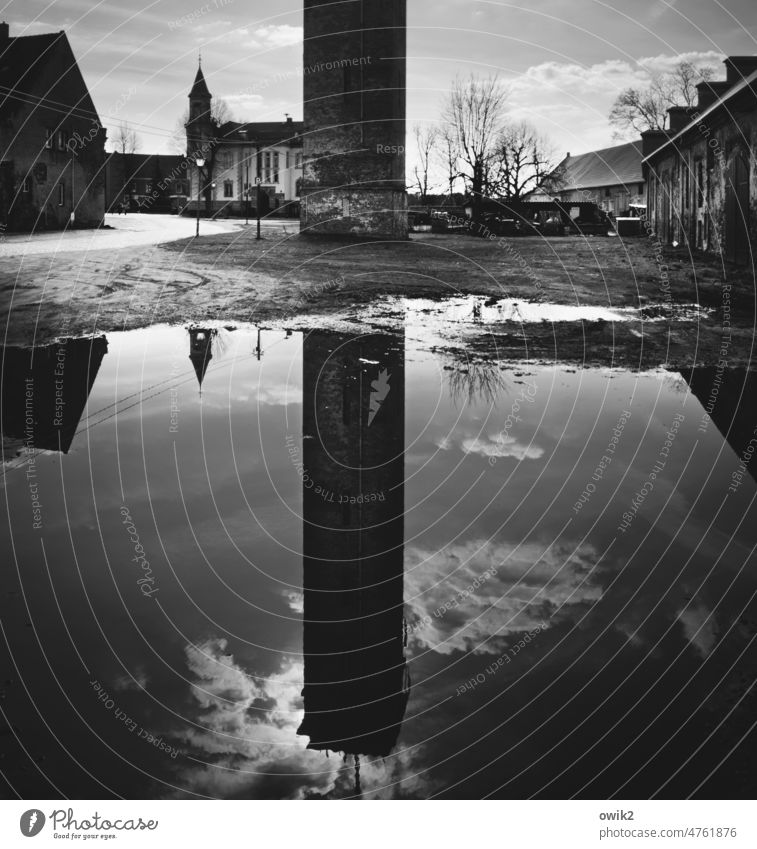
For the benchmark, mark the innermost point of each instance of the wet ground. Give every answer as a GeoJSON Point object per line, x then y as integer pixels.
{"type": "Point", "coordinates": [390, 553]}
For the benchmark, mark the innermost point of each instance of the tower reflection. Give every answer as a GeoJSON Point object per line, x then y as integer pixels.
{"type": "Point", "coordinates": [356, 679]}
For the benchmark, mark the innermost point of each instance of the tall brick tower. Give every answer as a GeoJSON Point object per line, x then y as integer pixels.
{"type": "Point", "coordinates": [354, 140]}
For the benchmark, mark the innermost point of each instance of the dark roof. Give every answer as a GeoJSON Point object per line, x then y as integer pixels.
{"type": "Point", "coordinates": [611, 166]}
{"type": "Point", "coordinates": [22, 59]}
{"type": "Point", "coordinates": [199, 87]}
{"type": "Point", "coordinates": [21, 55]}
{"type": "Point", "coordinates": [265, 132]}
{"type": "Point", "coordinates": [146, 164]}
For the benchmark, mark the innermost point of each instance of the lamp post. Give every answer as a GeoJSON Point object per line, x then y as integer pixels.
{"type": "Point", "coordinates": [243, 134]}
{"type": "Point", "coordinates": [258, 181]}
{"type": "Point", "coordinates": [200, 162]}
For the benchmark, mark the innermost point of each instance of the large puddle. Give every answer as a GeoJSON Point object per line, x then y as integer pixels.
{"type": "Point", "coordinates": [256, 564]}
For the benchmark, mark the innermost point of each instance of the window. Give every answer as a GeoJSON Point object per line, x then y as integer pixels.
{"type": "Point", "coordinates": [48, 139]}
{"type": "Point", "coordinates": [61, 138]}
{"type": "Point", "coordinates": [228, 189]}
{"type": "Point", "coordinates": [148, 189]}
{"type": "Point", "coordinates": [607, 193]}
{"type": "Point", "coordinates": [134, 188]}
{"type": "Point", "coordinates": [287, 160]}
{"type": "Point", "coordinates": [299, 160]}
{"type": "Point", "coordinates": [61, 193]}
{"type": "Point", "coordinates": [275, 167]}
{"type": "Point", "coordinates": [641, 188]}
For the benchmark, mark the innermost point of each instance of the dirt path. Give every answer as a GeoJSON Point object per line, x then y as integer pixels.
{"type": "Point", "coordinates": [230, 277]}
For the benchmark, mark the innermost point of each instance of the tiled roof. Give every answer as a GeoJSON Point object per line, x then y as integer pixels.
{"type": "Point", "coordinates": [611, 166]}
{"type": "Point", "coordinates": [265, 132]}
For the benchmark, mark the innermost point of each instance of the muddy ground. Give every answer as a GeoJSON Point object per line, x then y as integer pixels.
{"type": "Point", "coordinates": [301, 282]}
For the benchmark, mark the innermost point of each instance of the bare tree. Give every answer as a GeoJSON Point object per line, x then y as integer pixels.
{"type": "Point", "coordinates": [475, 112]}
{"type": "Point", "coordinates": [638, 109]}
{"type": "Point", "coordinates": [426, 140]}
{"type": "Point", "coordinates": [126, 139]}
{"type": "Point", "coordinates": [523, 162]}
{"type": "Point", "coordinates": [448, 156]}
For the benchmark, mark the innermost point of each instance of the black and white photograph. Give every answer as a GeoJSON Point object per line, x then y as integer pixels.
{"type": "Point", "coordinates": [378, 399]}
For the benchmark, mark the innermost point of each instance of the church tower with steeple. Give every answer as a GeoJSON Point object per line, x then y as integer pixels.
{"type": "Point", "coordinates": [199, 126]}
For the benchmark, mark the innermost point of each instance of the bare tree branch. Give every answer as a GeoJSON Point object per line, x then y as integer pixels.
{"type": "Point", "coordinates": [638, 109]}
{"type": "Point", "coordinates": [474, 113]}
{"type": "Point", "coordinates": [426, 140]}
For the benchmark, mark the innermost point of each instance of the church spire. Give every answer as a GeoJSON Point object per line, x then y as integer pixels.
{"type": "Point", "coordinates": [200, 87]}
{"type": "Point", "coordinates": [200, 351]}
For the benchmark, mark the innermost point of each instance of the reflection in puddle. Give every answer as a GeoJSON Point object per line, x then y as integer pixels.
{"type": "Point", "coordinates": [327, 516]}
{"type": "Point", "coordinates": [481, 310]}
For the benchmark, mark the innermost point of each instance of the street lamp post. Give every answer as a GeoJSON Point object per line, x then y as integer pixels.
{"type": "Point", "coordinates": [258, 180]}
{"type": "Point", "coordinates": [243, 134]}
{"type": "Point", "coordinates": [200, 162]}
{"type": "Point", "coordinates": [247, 192]}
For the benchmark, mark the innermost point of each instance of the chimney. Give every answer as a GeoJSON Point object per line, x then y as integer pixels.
{"type": "Point", "coordinates": [708, 93]}
{"type": "Point", "coordinates": [678, 118]}
{"type": "Point", "coordinates": [651, 140]}
{"type": "Point", "coordinates": [4, 32]}
{"type": "Point", "coordinates": [739, 67]}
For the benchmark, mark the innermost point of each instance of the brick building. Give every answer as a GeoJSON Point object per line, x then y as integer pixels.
{"type": "Point", "coordinates": [52, 144]}
{"type": "Point", "coordinates": [354, 84]}
{"type": "Point", "coordinates": [701, 180]}
{"type": "Point", "coordinates": [241, 157]}
{"type": "Point", "coordinates": [146, 182]}
{"type": "Point", "coordinates": [612, 178]}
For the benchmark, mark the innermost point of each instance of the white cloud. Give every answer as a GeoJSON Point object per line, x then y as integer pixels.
{"type": "Point", "coordinates": [520, 587]}
{"type": "Point", "coordinates": [137, 680]}
{"type": "Point", "coordinates": [280, 35]}
{"type": "Point", "coordinates": [502, 445]}
{"type": "Point", "coordinates": [248, 739]}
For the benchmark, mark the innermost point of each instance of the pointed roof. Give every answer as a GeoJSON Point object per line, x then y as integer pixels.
{"type": "Point", "coordinates": [200, 351]}
{"type": "Point", "coordinates": [200, 87]}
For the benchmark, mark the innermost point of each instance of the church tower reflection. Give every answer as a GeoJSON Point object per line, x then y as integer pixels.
{"type": "Point", "coordinates": [201, 350]}
{"type": "Point", "coordinates": [356, 680]}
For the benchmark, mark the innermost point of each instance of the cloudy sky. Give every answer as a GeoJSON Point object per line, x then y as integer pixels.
{"type": "Point", "coordinates": [565, 59]}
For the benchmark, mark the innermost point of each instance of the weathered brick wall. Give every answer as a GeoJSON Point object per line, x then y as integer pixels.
{"type": "Point", "coordinates": [714, 143]}
{"type": "Point", "coordinates": [354, 110]}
